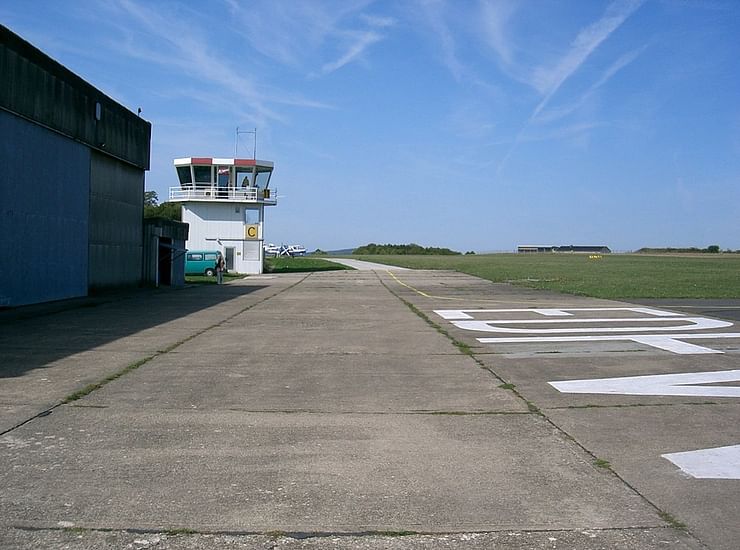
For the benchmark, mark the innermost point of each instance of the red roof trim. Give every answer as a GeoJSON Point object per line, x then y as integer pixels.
{"type": "Point", "coordinates": [201, 160]}
{"type": "Point", "coordinates": [244, 162]}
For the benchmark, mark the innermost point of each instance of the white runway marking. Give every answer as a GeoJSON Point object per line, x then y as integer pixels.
{"type": "Point", "coordinates": [687, 384]}
{"type": "Point", "coordinates": [692, 323]}
{"type": "Point", "coordinates": [643, 329]}
{"type": "Point", "coordinates": [665, 342]}
{"type": "Point", "coordinates": [715, 463]}
{"type": "Point", "coordinates": [454, 314]}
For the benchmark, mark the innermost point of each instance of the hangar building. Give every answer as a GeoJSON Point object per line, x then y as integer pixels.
{"type": "Point", "coordinates": [72, 181]}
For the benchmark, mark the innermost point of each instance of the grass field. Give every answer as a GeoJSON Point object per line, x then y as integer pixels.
{"type": "Point", "coordinates": [300, 264]}
{"type": "Point", "coordinates": [611, 276]}
{"type": "Point", "coordinates": [275, 265]}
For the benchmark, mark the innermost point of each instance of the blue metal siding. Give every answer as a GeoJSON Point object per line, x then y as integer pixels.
{"type": "Point", "coordinates": [36, 87]}
{"type": "Point", "coordinates": [44, 212]}
{"type": "Point", "coordinates": [116, 215]}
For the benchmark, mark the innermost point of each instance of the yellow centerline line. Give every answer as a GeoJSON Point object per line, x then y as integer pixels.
{"type": "Point", "coordinates": [422, 293]}
{"type": "Point", "coordinates": [400, 282]}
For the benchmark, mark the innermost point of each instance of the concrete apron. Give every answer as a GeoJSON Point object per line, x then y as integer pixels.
{"type": "Point", "coordinates": [324, 406]}
{"type": "Point", "coordinates": [365, 266]}
{"type": "Point", "coordinates": [630, 432]}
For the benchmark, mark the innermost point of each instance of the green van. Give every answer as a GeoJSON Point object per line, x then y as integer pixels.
{"type": "Point", "coordinates": [201, 262]}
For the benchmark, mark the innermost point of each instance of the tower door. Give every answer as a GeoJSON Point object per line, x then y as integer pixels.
{"type": "Point", "coordinates": [229, 257]}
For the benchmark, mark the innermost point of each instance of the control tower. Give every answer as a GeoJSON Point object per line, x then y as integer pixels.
{"type": "Point", "coordinates": [223, 200]}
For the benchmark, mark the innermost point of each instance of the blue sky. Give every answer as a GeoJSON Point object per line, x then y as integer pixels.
{"type": "Point", "coordinates": [475, 125]}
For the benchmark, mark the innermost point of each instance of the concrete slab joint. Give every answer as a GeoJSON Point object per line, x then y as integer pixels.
{"type": "Point", "coordinates": [353, 410]}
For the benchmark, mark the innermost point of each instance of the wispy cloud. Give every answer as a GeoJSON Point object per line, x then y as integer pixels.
{"type": "Point", "coordinates": [435, 15]}
{"type": "Point", "coordinates": [177, 44]}
{"type": "Point", "coordinates": [495, 17]}
{"type": "Point", "coordinates": [359, 41]}
{"type": "Point", "coordinates": [548, 80]}
{"type": "Point", "coordinates": [377, 21]}
{"type": "Point", "coordinates": [174, 44]}
{"type": "Point", "coordinates": [310, 35]}
{"type": "Point", "coordinates": [552, 114]}
{"type": "Point", "coordinates": [363, 40]}
{"type": "Point", "coordinates": [284, 32]}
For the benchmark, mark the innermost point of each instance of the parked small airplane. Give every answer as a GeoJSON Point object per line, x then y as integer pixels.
{"type": "Point", "coordinates": [272, 250]}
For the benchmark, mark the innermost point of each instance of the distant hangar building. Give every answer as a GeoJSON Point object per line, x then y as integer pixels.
{"type": "Point", "coordinates": [587, 249]}
{"type": "Point", "coordinates": [532, 248]}
{"type": "Point", "coordinates": [72, 177]}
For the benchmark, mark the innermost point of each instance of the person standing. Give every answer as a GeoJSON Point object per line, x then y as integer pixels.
{"type": "Point", "coordinates": [220, 266]}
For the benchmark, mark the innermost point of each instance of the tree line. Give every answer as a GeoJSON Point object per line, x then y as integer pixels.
{"type": "Point", "coordinates": [403, 249]}
{"type": "Point", "coordinates": [711, 249]}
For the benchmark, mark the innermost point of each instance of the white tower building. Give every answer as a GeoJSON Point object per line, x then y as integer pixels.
{"type": "Point", "coordinates": [223, 200]}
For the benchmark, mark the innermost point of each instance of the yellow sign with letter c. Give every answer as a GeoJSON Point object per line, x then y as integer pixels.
{"type": "Point", "coordinates": [251, 231]}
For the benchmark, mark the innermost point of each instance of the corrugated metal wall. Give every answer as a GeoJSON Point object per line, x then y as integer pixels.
{"type": "Point", "coordinates": [36, 87]}
{"type": "Point", "coordinates": [72, 181]}
{"type": "Point", "coordinates": [116, 217]}
{"type": "Point", "coordinates": [45, 183]}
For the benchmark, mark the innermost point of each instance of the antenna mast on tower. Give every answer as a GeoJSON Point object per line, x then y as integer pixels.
{"type": "Point", "coordinates": [236, 144]}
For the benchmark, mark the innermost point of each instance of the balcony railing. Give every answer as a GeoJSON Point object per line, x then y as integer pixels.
{"type": "Point", "coordinates": [227, 194]}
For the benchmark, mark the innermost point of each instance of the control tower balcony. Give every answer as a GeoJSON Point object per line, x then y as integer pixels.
{"type": "Point", "coordinates": [213, 193]}
{"type": "Point", "coordinates": [207, 179]}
